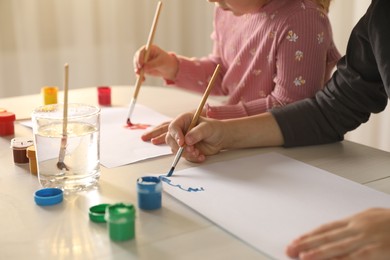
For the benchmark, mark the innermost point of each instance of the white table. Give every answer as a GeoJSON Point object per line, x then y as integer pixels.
{"type": "Point", "coordinates": [175, 231]}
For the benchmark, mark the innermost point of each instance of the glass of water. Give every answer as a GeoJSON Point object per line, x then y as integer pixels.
{"type": "Point", "coordinates": [79, 146]}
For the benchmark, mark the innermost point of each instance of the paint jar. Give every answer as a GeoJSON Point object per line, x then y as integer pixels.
{"type": "Point", "coordinates": [120, 219]}
{"type": "Point", "coordinates": [149, 190]}
{"type": "Point", "coordinates": [19, 146]}
{"type": "Point", "coordinates": [49, 94]}
{"type": "Point", "coordinates": [7, 120]}
{"type": "Point", "coordinates": [104, 95]}
{"type": "Point", "coordinates": [30, 153]}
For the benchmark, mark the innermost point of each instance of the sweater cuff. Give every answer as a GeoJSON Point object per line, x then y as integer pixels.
{"type": "Point", "coordinates": [225, 112]}
{"type": "Point", "coordinates": [173, 82]}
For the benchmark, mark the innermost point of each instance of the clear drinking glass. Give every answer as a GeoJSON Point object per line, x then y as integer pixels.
{"type": "Point", "coordinates": [81, 168]}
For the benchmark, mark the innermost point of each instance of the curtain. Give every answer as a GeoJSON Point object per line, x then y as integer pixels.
{"type": "Point", "coordinates": [99, 37]}
{"type": "Point", "coordinates": [96, 37]}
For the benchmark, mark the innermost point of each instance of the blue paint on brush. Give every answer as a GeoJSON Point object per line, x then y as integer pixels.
{"type": "Point", "coordinates": [171, 171]}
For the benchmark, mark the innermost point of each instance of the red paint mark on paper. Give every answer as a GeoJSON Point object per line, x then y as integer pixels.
{"type": "Point", "coordinates": [137, 126]}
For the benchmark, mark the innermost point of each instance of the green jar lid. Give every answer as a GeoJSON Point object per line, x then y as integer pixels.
{"type": "Point", "coordinates": [97, 212]}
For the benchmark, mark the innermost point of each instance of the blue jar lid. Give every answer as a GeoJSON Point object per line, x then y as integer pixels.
{"type": "Point", "coordinates": [48, 196]}
{"type": "Point", "coordinates": [149, 184]}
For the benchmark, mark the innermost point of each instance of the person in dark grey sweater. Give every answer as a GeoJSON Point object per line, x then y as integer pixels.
{"type": "Point", "coordinates": [359, 87]}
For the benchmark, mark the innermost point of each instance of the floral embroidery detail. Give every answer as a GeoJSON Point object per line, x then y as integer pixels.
{"type": "Point", "coordinates": [320, 37]}
{"type": "Point", "coordinates": [233, 85]}
{"type": "Point", "coordinates": [321, 12]}
{"type": "Point", "coordinates": [263, 15]}
{"type": "Point", "coordinates": [292, 37]}
{"type": "Point", "coordinates": [273, 15]}
{"type": "Point", "coordinates": [271, 35]}
{"type": "Point", "coordinates": [298, 55]}
{"type": "Point", "coordinates": [299, 81]}
{"type": "Point", "coordinates": [253, 52]}
{"type": "Point", "coordinates": [262, 93]}
{"type": "Point", "coordinates": [269, 58]}
{"type": "Point", "coordinates": [256, 72]}
{"type": "Point", "coordinates": [241, 87]}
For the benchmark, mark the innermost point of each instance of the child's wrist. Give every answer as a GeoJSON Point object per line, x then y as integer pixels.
{"type": "Point", "coordinates": [174, 67]}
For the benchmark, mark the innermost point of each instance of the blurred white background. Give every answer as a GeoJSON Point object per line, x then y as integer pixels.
{"type": "Point", "coordinates": [96, 37]}
{"type": "Point", "coordinates": [99, 37]}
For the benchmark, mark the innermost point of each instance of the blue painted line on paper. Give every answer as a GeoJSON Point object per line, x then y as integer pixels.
{"type": "Point", "coordinates": [169, 182]}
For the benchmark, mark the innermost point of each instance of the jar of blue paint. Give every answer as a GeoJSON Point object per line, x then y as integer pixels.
{"type": "Point", "coordinates": [149, 190]}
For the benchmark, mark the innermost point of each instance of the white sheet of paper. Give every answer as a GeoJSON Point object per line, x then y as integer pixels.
{"type": "Point", "coordinates": [269, 199]}
{"type": "Point", "coordinates": [120, 145]}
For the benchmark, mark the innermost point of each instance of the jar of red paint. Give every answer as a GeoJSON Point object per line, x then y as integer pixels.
{"type": "Point", "coordinates": [7, 120]}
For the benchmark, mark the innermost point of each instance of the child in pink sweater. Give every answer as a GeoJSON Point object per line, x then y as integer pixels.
{"type": "Point", "coordinates": [271, 52]}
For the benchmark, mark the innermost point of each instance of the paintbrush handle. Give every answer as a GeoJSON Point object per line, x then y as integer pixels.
{"type": "Point", "coordinates": [65, 112]}
{"type": "Point", "coordinates": [140, 77]}
{"type": "Point", "coordinates": [131, 108]}
{"type": "Point", "coordinates": [152, 31]}
{"type": "Point", "coordinates": [204, 99]}
{"type": "Point", "coordinates": [177, 157]}
{"type": "Point", "coordinates": [61, 157]}
{"type": "Point", "coordinates": [195, 118]}
{"type": "Point", "coordinates": [138, 84]}
{"type": "Point", "coordinates": [147, 49]}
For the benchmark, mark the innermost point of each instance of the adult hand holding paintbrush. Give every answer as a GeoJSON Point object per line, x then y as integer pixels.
{"type": "Point", "coordinates": [140, 76]}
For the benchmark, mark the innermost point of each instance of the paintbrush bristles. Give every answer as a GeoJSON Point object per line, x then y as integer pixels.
{"type": "Point", "coordinates": [170, 171]}
{"type": "Point", "coordinates": [195, 118]}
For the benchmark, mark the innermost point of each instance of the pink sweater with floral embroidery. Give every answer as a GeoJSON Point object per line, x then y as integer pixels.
{"type": "Point", "coordinates": [280, 54]}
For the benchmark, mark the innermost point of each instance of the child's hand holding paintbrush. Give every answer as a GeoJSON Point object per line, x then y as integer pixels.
{"type": "Point", "coordinates": [140, 76]}
{"type": "Point", "coordinates": [158, 64]}
{"type": "Point", "coordinates": [194, 120]}
{"type": "Point", "coordinates": [196, 149]}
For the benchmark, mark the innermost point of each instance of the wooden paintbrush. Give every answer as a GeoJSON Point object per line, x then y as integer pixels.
{"type": "Point", "coordinates": [61, 164]}
{"type": "Point", "coordinates": [195, 118]}
{"type": "Point", "coordinates": [146, 57]}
